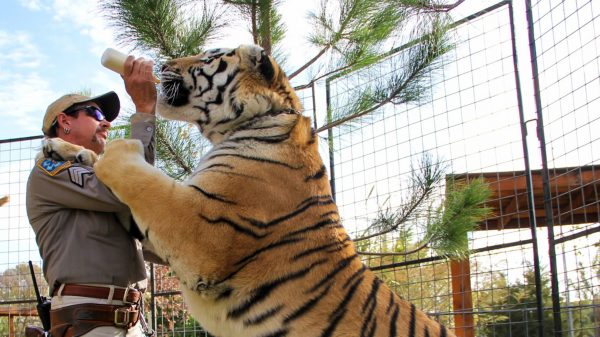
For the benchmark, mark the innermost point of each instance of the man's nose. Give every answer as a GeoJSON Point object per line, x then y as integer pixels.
{"type": "Point", "coordinates": [105, 124]}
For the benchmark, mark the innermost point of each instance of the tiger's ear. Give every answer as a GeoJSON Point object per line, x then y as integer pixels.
{"type": "Point", "coordinates": [259, 60]}
{"type": "Point", "coordinates": [266, 67]}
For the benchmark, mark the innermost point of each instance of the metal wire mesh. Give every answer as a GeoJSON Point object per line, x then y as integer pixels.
{"type": "Point", "coordinates": [17, 241]}
{"type": "Point", "coordinates": [470, 123]}
{"type": "Point", "coordinates": [567, 59]}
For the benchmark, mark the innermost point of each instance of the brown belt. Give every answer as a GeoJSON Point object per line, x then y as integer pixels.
{"type": "Point", "coordinates": [77, 320]}
{"type": "Point", "coordinates": [127, 295]}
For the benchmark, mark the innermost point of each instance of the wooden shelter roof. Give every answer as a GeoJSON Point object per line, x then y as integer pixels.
{"type": "Point", "coordinates": [575, 193]}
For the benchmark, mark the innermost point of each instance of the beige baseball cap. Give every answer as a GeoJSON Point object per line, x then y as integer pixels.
{"type": "Point", "coordinates": [109, 104]}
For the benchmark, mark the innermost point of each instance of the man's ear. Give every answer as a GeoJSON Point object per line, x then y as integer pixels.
{"type": "Point", "coordinates": [63, 120]}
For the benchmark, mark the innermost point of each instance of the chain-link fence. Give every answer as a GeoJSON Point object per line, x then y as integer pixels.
{"type": "Point", "coordinates": [528, 131]}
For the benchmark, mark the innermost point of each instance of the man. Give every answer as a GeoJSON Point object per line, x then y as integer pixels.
{"type": "Point", "coordinates": [90, 258]}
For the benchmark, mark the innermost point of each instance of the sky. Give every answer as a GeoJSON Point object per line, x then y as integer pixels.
{"type": "Point", "coordinates": [48, 48]}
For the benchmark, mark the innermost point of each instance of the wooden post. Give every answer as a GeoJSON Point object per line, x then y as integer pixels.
{"type": "Point", "coordinates": [11, 326]}
{"type": "Point", "coordinates": [462, 300]}
{"type": "Point", "coordinates": [11, 312]}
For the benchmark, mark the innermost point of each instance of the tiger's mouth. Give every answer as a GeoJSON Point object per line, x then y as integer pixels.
{"type": "Point", "coordinates": [173, 89]}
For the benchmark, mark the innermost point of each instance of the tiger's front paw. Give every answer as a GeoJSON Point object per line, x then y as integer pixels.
{"type": "Point", "coordinates": [59, 149]}
{"type": "Point", "coordinates": [117, 156]}
{"type": "Point", "coordinates": [123, 148]}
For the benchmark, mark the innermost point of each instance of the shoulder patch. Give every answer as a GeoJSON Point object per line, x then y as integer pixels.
{"type": "Point", "coordinates": [76, 174]}
{"type": "Point", "coordinates": [52, 167]}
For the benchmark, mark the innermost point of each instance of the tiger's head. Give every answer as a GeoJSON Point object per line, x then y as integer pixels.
{"type": "Point", "coordinates": [223, 88]}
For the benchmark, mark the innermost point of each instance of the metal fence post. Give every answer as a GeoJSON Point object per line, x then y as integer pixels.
{"type": "Point", "coordinates": [545, 178]}
{"type": "Point", "coordinates": [152, 298]}
{"type": "Point", "coordinates": [529, 180]}
{"type": "Point", "coordinates": [330, 139]}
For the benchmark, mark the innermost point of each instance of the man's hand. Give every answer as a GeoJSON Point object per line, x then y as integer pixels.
{"type": "Point", "coordinates": [139, 84]}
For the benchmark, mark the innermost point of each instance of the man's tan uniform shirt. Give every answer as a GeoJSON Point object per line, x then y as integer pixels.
{"type": "Point", "coordinates": [73, 215]}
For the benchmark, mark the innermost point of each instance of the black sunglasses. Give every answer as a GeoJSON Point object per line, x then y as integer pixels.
{"type": "Point", "coordinates": [90, 110]}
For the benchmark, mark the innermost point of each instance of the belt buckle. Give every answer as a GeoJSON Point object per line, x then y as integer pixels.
{"type": "Point", "coordinates": [122, 318]}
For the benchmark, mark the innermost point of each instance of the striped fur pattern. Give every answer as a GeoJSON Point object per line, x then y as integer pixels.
{"type": "Point", "coordinates": [254, 235]}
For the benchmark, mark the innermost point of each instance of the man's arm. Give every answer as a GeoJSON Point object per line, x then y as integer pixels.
{"type": "Point", "coordinates": [143, 127]}
{"type": "Point", "coordinates": [140, 86]}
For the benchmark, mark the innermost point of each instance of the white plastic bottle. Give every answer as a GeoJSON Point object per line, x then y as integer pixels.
{"type": "Point", "coordinates": [115, 61]}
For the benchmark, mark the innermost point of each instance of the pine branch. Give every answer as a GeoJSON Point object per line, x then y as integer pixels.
{"type": "Point", "coordinates": [266, 27]}
{"type": "Point", "coordinates": [463, 209]}
{"type": "Point", "coordinates": [162, 26]}
{"type": "Point", "coordinates": [336, 35]}
{"type": "Point", "coordinates": [363, 27]}
{"type": "Point", "coordinates": [310, 62]}
{"type": "Point", "coordinates": [179, 148]}
{"type": "Point", "coordinates": [423, 183]}
{"type": "Point", "coordinates": [405, 253]}
{"type": "Point", "coordinates": [405, 85]}
{"type": "Point", "coordinates": [446, 229]}
{"type": "Point", "coordinates": [161, 139]}
{"type": "Point", "coordinates": [434, 7]}
{"type": "Point", "coordinates": [333, 73]}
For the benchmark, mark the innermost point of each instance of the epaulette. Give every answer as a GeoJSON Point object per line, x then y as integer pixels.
{"type": "Point", "coordinates": [52, 167]}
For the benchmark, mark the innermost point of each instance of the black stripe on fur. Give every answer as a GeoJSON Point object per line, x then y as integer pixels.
{"type": "Point", "coordinates": [306, 307]}
{"type": "Point", "coordinates": [263, 291]}
{"type": "Point", "coordinates": [329, 278]}
{"type": "Point", "coordinates": [340, 311]}
{"type": "Point", "coordinates": [318, 175]}
{"type": "Point", "coordinates": [263, 316]}
{"type": "Point", "coordinates": [235, 226]}
{"type": "Point", "coordinates": [413, 321]}
{"type": "Point", "coordinates": [252, 158]}
{"type": "Point", "coordinates": [305, 205]}
{"type": "Point", "coordinates": [394, 320]}
{"type": "Point", "coordinates": [212, 196]}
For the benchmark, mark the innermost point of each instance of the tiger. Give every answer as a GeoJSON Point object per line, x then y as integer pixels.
{"type": "Point", "coordinates": [254, 235]}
